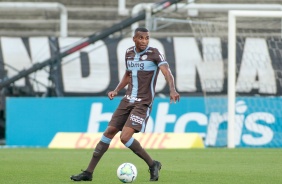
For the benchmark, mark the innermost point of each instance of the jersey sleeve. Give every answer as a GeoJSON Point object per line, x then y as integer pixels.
{"type": "Point", "coordinates": [160, 58]}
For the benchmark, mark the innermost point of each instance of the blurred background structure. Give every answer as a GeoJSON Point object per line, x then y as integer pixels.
{"type": "Point", "coordinates": [208, 18]}
{"type": "Point", "coordinates": [87, 17]}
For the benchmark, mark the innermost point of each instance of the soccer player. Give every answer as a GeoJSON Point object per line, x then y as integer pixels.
{"type": "Point", "coordinates": [142, 66]}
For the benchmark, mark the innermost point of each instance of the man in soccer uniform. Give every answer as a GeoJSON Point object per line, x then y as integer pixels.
{"type": "Point", "coordinates": [142, 67]}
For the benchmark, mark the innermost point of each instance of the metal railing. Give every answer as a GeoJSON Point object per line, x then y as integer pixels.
{"type": "Point", "coordinates": [192, 9]}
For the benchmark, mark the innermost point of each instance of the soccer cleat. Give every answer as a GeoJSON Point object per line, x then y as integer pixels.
{"type": "Point", "coordinates": [155, 170]}
{"type": "Point", "coordinates": [84, 176]}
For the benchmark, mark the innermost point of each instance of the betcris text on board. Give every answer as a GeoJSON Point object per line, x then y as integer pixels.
{"type": "Point", "coordinates": [252, 128]}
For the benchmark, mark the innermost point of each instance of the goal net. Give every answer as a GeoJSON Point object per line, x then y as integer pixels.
{"type": "Point", "coordinates": [241, 77]}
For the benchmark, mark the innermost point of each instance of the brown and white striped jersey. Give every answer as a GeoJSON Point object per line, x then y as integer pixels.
{"type": "Point", "coordinates": [144, 68]}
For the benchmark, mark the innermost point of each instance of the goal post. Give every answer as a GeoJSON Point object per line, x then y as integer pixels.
{"type": "Point", "coordinates": [232, 16]}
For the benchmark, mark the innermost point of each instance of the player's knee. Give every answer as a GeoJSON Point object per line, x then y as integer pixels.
{"type": "Point", "coordinates": [111, 132]}
{"type": "Point", "coordinates": [126, 135]}
{"type": "Point", "coordinates": [127, 141]}
{"type": "Point", "coordinates": [124, 139]}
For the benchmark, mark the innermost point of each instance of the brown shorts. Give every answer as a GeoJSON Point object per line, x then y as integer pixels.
{"type": "Point", "coordinates": [134, 115]}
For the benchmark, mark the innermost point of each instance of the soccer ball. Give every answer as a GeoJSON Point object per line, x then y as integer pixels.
{"type": "Point", "coordinates": [127, 173]}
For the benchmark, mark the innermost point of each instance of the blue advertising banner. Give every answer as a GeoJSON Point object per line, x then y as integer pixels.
{"type": "Point", "coordinates": [35, 121]}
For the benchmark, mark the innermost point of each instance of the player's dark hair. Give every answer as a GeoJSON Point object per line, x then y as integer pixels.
{"type": "Point", "coordinates": [141, 29]}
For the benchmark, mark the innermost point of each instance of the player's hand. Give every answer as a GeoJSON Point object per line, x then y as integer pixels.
{"type": "Point", "coordinates": [112, 94]}
{"type": "Point", "coordinates": [174, 96]}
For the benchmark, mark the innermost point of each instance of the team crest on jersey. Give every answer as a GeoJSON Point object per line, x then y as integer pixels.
{"type": "Point", "coordinates": [144, 57]}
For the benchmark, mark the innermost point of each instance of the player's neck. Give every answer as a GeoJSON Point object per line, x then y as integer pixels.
{"type": "Point", "coordinates": [140, 51]}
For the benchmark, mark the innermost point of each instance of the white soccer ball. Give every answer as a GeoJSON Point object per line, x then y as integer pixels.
{"type": "Point", "coordinates": [127, 173]}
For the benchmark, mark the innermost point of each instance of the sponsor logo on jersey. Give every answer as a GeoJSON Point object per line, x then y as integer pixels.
{"type": "Point", "coordinates": [136, 119]}
{"type": "Point", "coordinates": [135, 65]}
{"type": "Point", "coordinates": [128, 97]}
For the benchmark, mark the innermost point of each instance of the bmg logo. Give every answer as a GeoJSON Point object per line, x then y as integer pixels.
{"type": "Point", "coordinates": [135, 65]}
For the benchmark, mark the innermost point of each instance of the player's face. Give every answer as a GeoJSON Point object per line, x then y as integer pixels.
{"type": "Point", "coordinates": [141, 40]}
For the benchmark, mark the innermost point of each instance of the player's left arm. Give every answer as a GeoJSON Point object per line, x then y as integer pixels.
{"type": "Point", "coordinates": [174, 96]}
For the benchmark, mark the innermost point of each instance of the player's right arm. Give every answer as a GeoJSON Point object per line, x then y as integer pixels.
{"type": "Point", "coordinates": [124, 81]}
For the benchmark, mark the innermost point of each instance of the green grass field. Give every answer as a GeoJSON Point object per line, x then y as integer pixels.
{"type": "Point", "coordinates": [42, 166]}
